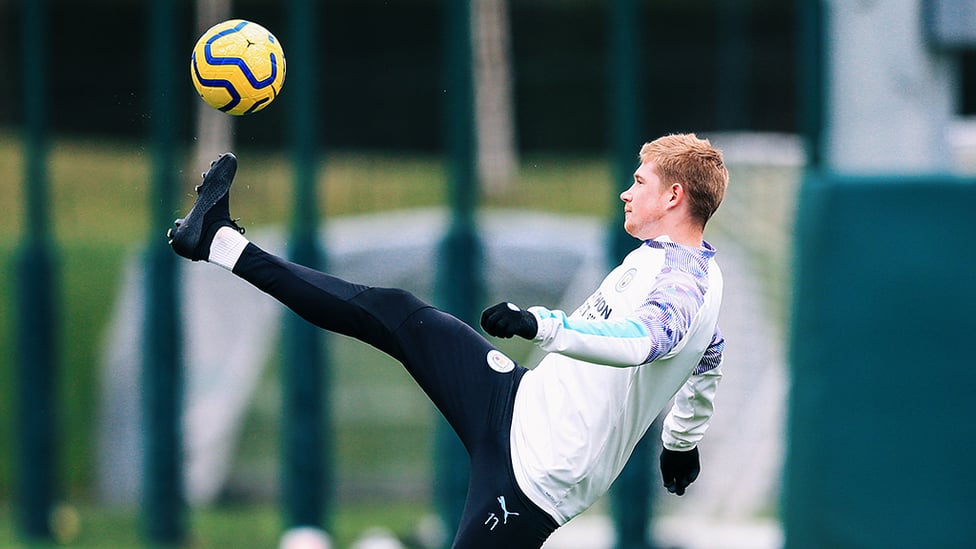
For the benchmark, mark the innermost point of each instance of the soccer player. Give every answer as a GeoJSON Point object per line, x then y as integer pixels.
{"type": "Point", "coordinates": [544, 443]}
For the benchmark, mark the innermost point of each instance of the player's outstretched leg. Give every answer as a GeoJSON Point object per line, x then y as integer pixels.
{"type": "Point", "coordinates": [208, 233]}
{"type": "Point", "coordinates": [192, 236]}
{"type": "Point", "coordinates": [431, 344]}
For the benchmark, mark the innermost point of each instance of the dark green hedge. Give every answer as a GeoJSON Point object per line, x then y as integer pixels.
{"type": "Point", "coordinates": [380, 70]}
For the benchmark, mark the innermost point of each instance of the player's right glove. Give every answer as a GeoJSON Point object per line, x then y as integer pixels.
{"type": "Point", "coordinates": [679, 469]}
{"type": "Point", "coordinates": [507, 319]}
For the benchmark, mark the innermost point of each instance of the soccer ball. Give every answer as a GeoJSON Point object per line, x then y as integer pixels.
{"type": "Point", "coordinates": [238, 67]}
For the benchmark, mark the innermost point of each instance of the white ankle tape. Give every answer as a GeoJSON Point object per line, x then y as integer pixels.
{"type": "Point", "coordinates": [227, 247]}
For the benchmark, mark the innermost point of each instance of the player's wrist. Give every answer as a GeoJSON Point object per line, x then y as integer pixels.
{"type": "Point", "coordinates": [677, 445]}
{"type": "Point", "coordinates": [544, 327]}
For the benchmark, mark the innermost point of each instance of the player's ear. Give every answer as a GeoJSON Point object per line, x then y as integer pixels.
{"type": "Point", "coordinates": [677, 194]}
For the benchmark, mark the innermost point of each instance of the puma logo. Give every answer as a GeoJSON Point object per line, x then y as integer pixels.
{"type": "Point", "coordinates": [494, 519]}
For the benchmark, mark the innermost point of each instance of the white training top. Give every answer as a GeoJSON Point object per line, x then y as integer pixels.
{"type": "Point", "coordinates": [649, 333]}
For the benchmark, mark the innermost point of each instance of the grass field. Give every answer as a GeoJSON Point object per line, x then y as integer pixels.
{"type": "Point", "coordinates": [99, 207]}
{"type": "Point", "coordinates": [239, 526]}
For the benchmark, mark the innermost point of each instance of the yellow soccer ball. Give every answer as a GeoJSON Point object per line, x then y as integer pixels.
{"type": "Point", "coordinates": [238, 67]}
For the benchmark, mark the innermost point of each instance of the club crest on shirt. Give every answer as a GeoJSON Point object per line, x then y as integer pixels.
{"type": "Point", "coordinates": [499, 362]}
{"type": "Point", "coordinates": [626, 279]}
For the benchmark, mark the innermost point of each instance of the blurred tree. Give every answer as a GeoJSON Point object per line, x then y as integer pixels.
{"type": "Point", "coordinates": [497, 155]}
{"type": "Point", "coordinates": [214, 129]}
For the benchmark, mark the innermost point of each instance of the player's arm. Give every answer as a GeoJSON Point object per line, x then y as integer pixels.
{"type": "Point", "coordinates": [620, 342]}
{"type": "Point", "coordinates": [652, 331]}
{"type": "Point", "coordinates": [686, 422]}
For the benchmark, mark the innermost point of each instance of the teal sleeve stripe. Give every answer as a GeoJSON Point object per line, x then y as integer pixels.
{"type": "Point", "coordinates": [622, 329]}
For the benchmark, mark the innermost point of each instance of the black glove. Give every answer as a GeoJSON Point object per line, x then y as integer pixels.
{"type": "Point", "coordinates": [679, 469]}
{"type": "Point", "coordinates": [506, 319]}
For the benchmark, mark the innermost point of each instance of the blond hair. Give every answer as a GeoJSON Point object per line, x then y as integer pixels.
{"type": "Point", "coordinates": [695, 164]}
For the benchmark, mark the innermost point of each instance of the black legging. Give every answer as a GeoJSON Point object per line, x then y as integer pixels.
{"type": "Point", "coordinates": [451, 363]}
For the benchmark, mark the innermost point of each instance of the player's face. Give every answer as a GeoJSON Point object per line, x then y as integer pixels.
{"type": "Point", "coordinates": [645, 203]}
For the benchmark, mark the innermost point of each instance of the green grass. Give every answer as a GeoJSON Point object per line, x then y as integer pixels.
{"type": "Point", "coordinates": [229, 526]}
{"type": "Point", "coordinates": [99, 190]}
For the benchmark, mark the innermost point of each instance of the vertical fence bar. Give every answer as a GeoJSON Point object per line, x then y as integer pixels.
{"type": "Point", "coordinates": [625, 127]}
{"type": "Point", "coordinates": [36, 302]}
{"type": "Point", "coordinates": [630, 497]}
{"type": "Point", "coordinates": [307, 468]}
{"type": "Point", "coordinates": [811, 77]}
{"type": "Point", "coordinates": [163, 504]}
{"type": "Point", "coordinates": [459, 281]}
{"type": "Point", "coordinates": [735, 64]}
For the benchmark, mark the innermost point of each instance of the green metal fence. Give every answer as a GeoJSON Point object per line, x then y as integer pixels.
{"type": "Point", "coordinates": [306, 443]}
{"type": "Point", "coordinates": [37, 298]}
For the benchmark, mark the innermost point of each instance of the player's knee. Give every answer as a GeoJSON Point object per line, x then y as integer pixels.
{"type": "Point", "coordinates": [399, 297]}
{"type": "Point", "coordinates": [392, 305]}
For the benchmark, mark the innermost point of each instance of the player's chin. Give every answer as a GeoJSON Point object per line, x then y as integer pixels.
{"type": "Point", "coordinates": [631, 228]}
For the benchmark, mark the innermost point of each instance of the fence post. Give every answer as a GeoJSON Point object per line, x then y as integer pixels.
{"type": "Point", "coordinates": [630, 497]}
{"type": "Point", "coordinates": [307, 468]}
{"type": "Point", "coordinates": [36, 300]}
{"type": "Point", "coordinates": [459, 283]}
{"type": "Point", "coordinates": [163, 503]}
{"type": "Point", "coordinates": [735, 64]}
{"type": "Point", "coordinates": [811, 78]}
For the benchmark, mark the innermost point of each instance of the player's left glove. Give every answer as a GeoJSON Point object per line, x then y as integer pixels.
{"type": "Point", "coordinates": [507, 319]}
{"type": "Point", "coordinates": [679, 469]}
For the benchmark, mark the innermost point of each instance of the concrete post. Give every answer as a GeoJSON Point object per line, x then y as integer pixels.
{"type": "Point", "coordinates": [891, 96]}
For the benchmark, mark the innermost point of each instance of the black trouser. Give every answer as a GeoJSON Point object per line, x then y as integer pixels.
{"type": "Point", "coordinates": [450, 362]}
